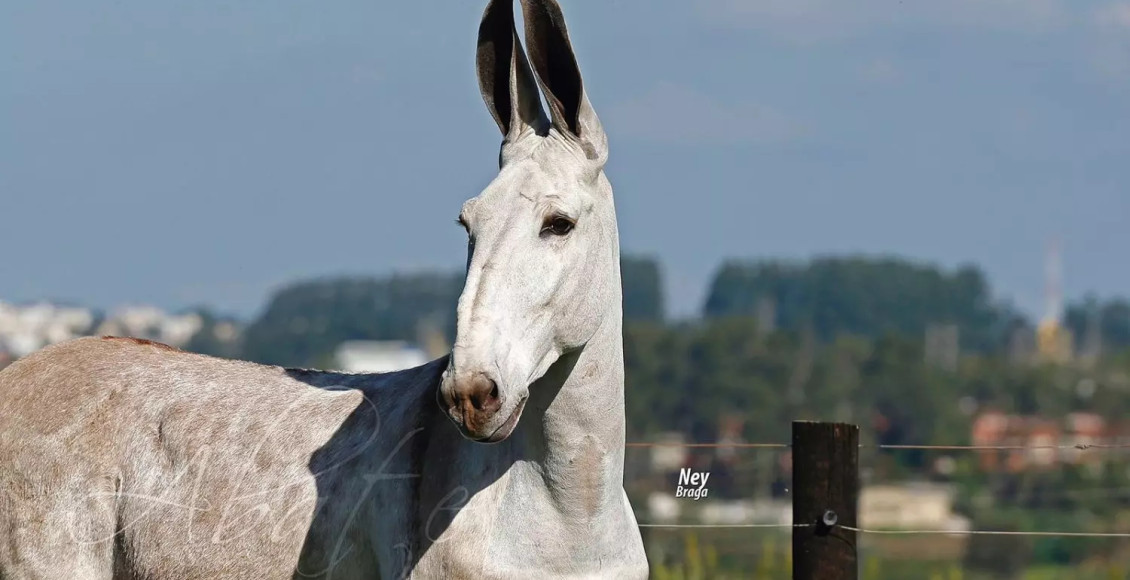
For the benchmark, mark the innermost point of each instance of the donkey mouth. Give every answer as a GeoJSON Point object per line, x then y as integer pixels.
{"type": "Point", "coordinates": [504, 430]}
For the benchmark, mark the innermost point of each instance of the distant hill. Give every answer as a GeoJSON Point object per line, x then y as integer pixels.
{"type": "Point", "coordinates": [865, 296]}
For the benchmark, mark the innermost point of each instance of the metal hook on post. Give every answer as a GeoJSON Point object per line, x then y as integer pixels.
{"type": "Point", "coordinates": [825, 500]}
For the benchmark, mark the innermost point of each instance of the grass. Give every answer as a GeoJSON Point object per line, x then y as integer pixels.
{"type": "Point", "coordinates": [770, 558]}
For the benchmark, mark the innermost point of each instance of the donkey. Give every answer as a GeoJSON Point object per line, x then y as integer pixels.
{"type": "Point", "coordinates": [124, 458]}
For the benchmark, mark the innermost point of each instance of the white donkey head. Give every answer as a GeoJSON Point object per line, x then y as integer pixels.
{"type": "Point", "coordinates": [543, 270]}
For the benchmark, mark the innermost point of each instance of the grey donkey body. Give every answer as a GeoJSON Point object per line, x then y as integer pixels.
{"type": "Point", "coordinates": [121, 458]}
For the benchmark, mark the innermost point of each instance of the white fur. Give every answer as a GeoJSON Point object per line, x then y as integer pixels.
{"type": "Point", "coordinates": [127, 459]}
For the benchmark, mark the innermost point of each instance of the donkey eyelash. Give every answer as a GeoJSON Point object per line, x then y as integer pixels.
{"type": "Point", "coordinates": [558, 224]}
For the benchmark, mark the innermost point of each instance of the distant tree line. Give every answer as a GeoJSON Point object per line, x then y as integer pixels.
{"type": "Point", "coordinates": [840, 338]}
{"type": "Point", "coordinates": [1111, 319]}
{"type": "Point", "coordinates": [305, 321]}
{"type": "Point", "coordinates": [829, 297]}
{"type": "Point", "coordinates": [861, 296]}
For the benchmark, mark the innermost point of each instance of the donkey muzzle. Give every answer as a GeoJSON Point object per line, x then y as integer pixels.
{"type": "Point", "coordinates": [473, 402]}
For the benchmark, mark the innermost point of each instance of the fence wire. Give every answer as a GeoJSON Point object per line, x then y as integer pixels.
{"type": "Point", "coordinates": [725, 525]}
{"type": "Point", "coordinates": [888, 532]}
{"type": "Point", "coordinates": [713, 445]}
{"type": "Point", "coordinates": [989, 533]}
{"type": "Point", "coordinates": [903, 532]}
{"type": "Point", "coordinates": [1079, 446]}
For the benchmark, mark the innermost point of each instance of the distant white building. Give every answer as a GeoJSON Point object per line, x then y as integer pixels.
{"type": "Point", "coordinates": [910, 506]}
{"type": "Point", "coordinates": [670, 453]}
{"type": "Point", "coordinates": [152, 323]}
{"type": "Point", "coordinates": [25, 329]}
{"type": "Point", "coordinates": [372, 356]}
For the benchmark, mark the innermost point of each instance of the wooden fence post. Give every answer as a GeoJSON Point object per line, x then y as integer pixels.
{"type": "Point", "coordinates": [825, 495]}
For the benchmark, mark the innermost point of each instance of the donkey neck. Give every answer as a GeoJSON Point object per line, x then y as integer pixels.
{"type": "Point", "coordinates": [555, 485]}
{"type": "Point", "coordinates": [574, 434]}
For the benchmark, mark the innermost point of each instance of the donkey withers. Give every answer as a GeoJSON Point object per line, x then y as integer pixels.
{"type": "Point", "coordinates": [122, 458]}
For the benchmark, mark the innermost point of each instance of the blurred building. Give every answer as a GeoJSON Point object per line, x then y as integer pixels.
{"type": "Point", "coordinates": [910, 506]}
{"type": "Point", "coordinates": [151, 323]}
{"type": "Point", "coordinates": [375, 356]}
{"type": "Point", "coordinates": [1044, 443]}
{"type": "Point", "coordinates": [1054, 342]}
{"type": "Point", "coordinates": [27, 328]}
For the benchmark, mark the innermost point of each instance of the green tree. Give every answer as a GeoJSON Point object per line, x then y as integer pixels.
{"type": "Point", "coordinates": [1111, 316]}
{"type": "Point", "coordinates": [308, 320]}
{"type": "Point", "coordinates": [643, 289]}
{"type": "Point", "coordinates": [864, 296]}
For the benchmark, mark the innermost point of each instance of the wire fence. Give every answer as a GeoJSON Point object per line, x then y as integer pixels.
{"type": "Point", "coordinates": [911, 531]}
{"type": "Point", "coordinates": [1079, 446]}
{"type": "Point", "coordinates": [901, 532]}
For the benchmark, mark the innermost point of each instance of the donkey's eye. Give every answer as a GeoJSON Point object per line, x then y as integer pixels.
{"type": "Point", "coordinates": [557, 225]}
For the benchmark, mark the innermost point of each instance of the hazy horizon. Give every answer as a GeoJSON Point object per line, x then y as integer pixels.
{"type": "Point", "coordinates": [695, 312]}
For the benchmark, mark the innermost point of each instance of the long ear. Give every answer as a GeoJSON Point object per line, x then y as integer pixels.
{"type": "Point", "coordinates": [507, 85]}
{"type": "Point", "coordinates": [556, 68]}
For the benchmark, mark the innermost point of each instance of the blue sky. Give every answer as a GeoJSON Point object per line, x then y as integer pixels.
{"type": "Point", "coordinates": [178, 153]}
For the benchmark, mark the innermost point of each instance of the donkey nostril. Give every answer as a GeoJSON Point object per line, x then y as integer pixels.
{"type": "Point", "coordinates": [484, 394]}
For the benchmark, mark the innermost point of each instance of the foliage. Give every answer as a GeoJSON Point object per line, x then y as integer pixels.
{"type": "Point", "coordinates": [863, 296]}
{"type": "Point", "coordinates": [304, 322]}
{"type": "Point", "coordinates": [685, 377]}
{"type": "Point", "coordinates": [307, 320]}
{"type": "Point", "coordinates": [699, 559]}
{"type": "Point", "coordinates": [1112, 318]}
{"type": "Point", "coordinates": [643, 289]}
